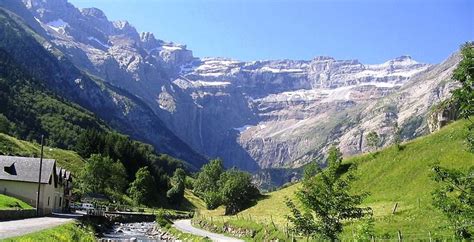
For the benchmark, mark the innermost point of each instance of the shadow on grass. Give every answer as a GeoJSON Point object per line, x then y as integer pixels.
{"type": "Point", "coordinates": [262, 197]}
{"type": "Point", "coordinates": [344, 168]}
{"type": "Point", "coordinates": [185, 205]}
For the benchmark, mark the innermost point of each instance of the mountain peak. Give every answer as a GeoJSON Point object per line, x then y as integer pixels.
{"type": "Point", "coordinates": [43, 3]}
{"type": "Point", "coordinates": [147, 36]}
{"type": "Point", "coordinates": [94, 12]}
{"type": "Point", "coordinates": [405, 60]}
{"type": "Point", "coordinates": [122, 24]}
{"type": "Point", "coordinates": [323, 58]}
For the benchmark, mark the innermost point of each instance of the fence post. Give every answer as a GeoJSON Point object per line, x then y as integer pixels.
{"type": "Point", "coordinates": [400, 238]}
{"type": "Point", "coordinates": [373, 239]}
{"type": "Point", "coordinates": [429, 234]}
{"type": "Point", "coordinates": [395, 208]}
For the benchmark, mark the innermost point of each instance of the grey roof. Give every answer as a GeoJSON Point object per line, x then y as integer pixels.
{"type": "Point", "coordinates": [26, 169]}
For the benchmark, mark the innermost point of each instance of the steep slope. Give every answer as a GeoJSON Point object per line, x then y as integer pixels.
{"type": "Point", "coordinates": [29, 110]}
{"type": "Point", "coordinates": [67, 159]}
{"type": "Point", "coordinates": [118, 108]}
{"type": "Point", "coordinates": [391, 177]}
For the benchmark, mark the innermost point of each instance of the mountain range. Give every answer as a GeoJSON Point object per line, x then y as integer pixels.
{"type": "Point", "coordinates": [254, 115]}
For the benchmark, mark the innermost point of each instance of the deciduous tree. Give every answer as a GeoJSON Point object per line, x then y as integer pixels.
{"type": "Point", "coordinates": [327, 201]}
{"type": "Point", "coordinates": [464, 73]}
{"type": "Point", "coordinates": [102, 175]}
{"type": "Point", "coordinates": [455, 198]}
{"type": "Point", "coordinates": [206, 184]}
{"type": "Point", "coordinates": [142, 189]}
{"type": "Point", "coordinates": [237, 191]}
{"type": "Point", "coordinates": [176, 193]}
{"type": "Point", "coordinates": [373, 140]}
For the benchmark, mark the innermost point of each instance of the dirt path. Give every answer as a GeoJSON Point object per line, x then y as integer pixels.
{"type": "Point", "coordinates": [187, 227]}
{"type": "Point", "coordinates": [25, 226]}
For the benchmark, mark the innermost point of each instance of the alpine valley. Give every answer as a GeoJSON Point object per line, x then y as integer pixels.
{"type": "Point", "coordinates": [261, 116]}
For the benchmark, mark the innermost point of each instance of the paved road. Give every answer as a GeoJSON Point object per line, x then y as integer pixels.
{"type": "Point", "coordinates": [185, 226]}
{"type": "Point", "coordinates": [25, 226]}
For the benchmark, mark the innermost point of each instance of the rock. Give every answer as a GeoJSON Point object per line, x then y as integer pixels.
{"type": "Point", "coordinates": [441, 115]}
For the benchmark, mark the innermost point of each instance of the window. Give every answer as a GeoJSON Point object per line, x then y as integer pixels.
{"type": "Point", "coordinates": [10, 169]}
{"type": "Point", "coordinates": [48, 201]}
{"type": "Point", "coordinates": [60, 200]}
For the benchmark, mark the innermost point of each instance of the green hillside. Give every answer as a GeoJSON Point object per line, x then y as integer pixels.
{"type": "Point", "coordinates": [404, 176]}
{"type": "Point", "coordinates": [7, 202]}
{"type": "Point", "coordinates": [67, 159]}
{"type": "Point", "coordinates": [390, 176]}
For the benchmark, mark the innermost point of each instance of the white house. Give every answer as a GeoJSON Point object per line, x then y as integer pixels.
{"type": "Point", "coordinates": [19, 178]}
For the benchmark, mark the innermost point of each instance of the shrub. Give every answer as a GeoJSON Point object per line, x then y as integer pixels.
{"type": "Point", "coordinates": [162, 219]}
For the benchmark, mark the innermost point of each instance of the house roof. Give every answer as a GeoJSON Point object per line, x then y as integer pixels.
{"type": "Point", "coordinates": [25, 169]}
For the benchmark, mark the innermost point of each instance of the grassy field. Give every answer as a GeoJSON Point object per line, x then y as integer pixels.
{"type": "Point", "coordinates": [65, 158]}
{"type": "Point", "coordinates": [7, 202]}
{"type": "Point", "coordinates": [66, 232]}
{"type": "Point", "coordinates": [390, 176]}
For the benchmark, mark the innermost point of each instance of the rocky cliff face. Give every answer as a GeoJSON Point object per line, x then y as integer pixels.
{"type": "Point", "coordinates": [260, 114]}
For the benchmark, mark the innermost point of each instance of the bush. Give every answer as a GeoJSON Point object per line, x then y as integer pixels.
{"type": "Point", "coordinates": [212, 199]}
{"type": "Point", "coordinates": [162, 220]}
{"type": "Point", "coordinates": [176, 193]}
{"type": "Point", "coordinates": [189, 183]}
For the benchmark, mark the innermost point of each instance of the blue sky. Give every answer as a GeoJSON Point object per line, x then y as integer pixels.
{"type": "Point", "coordinates": [372, 31]}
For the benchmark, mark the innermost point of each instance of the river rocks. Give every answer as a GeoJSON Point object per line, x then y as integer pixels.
{"type": "Point", "coordinates": [136, 232]}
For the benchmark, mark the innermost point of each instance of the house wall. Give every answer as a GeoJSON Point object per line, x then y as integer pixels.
{"type": "Point", "coordinates": [59, 197]}
{"type": "Point", "coordinates": [26, 191]}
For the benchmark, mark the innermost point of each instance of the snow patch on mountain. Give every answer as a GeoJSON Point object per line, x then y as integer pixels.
{"type": "Point", "coordinates": [98, 41]}
{"type": "Point", "coordinates": [209, 83]}
{"type": "Point", "coordinates": [57, 25]}
{"type": "Point", "coordinates": [280, 70]}
{"type": "Point", "coordinates": [323, 95]}
{"type": "Point", "coordinates": [243, 128]}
